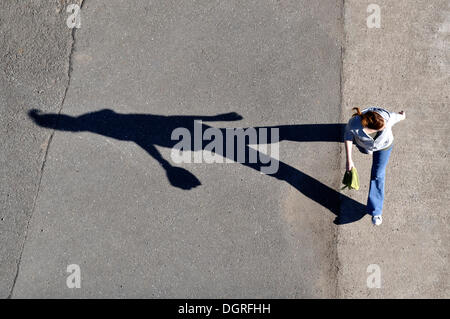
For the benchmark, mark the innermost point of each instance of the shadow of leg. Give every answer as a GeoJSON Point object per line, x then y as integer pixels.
{"type": "Point", "coordinates": [350, 211]}
{"type": "Point", "coordinates": [346, 209]}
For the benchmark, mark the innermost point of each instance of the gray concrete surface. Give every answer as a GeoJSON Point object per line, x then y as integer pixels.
{"type": "Point", "coordinates": [404, 65]}
{"type": "Point", "coordinates": [34, 50]}
{"type": "Point", "coordinates": [108, 206]}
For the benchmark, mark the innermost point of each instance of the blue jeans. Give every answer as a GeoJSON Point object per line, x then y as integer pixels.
{"type": "Point", "coordinates": [377, 178]}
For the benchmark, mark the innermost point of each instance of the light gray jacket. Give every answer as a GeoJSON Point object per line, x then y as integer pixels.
{"type": "Point", "coordinates": [354, 131]}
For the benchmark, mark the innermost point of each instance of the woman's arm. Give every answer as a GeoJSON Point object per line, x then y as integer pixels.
{"type": "Point", "coordinates": [348, 152]}
{"type": "Point", "coordinates": [397, 117]}
{"type": "Point", "coordinates": [348, 141]}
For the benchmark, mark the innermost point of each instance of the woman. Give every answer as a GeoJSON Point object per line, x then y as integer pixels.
{"type": "Point", "coordinates": [371, 131]}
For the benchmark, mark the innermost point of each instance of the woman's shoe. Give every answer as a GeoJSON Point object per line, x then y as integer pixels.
{"type": "Point", "coordinates": [377, 220]}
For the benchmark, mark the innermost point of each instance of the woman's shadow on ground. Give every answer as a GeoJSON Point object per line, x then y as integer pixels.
{"type": "Point", "coordinates": [148, 130]}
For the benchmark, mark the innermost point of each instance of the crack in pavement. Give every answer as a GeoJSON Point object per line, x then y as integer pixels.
{"type": "Point", "coordinates": [336, 261]}
{"type": "Point", "coordinates": [48, 143]}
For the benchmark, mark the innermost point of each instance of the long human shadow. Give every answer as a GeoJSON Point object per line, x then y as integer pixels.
{"type": "Point", "coordinates": [148, 130]}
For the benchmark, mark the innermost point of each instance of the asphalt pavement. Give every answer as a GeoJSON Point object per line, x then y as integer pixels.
{"type": "Point", "coordinates": [89, 178]}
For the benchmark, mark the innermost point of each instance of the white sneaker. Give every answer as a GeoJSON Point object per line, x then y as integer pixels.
{"type": "Point", "coordinates": [377, 220]}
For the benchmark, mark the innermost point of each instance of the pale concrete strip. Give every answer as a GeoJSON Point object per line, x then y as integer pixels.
{"type": "Point", "coordinates": [404, 65]}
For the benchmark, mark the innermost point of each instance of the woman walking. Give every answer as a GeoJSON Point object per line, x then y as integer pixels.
{"type": "Point", "coordinates": [371, 131]}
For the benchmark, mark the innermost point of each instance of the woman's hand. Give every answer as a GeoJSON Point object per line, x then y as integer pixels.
{"type": "Point", "coordinates": [349, 165]}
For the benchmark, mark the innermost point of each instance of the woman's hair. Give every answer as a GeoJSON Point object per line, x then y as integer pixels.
{"type": "Point", "coordinates": [370, 119]}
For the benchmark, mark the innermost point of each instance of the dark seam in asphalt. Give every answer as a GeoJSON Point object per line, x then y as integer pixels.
{"type": "Point", "coordinates": [69, 76]}
{"type": "Point", "coordinates": [337, 262]}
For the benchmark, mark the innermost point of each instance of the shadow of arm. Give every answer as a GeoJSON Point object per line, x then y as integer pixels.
{"type": "Point", "coordinates": [232, 116]}
{"type": "Point", "coordinates": [177, 176]}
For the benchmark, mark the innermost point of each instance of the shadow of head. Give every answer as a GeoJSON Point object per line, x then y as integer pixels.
{"type": "Point", "coordinates": [54, 120]}
{"type": "Point", "coordinates": [44, 120]}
